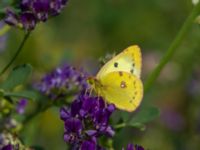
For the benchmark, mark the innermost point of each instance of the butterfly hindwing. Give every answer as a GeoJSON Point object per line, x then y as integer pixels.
{"type": "Point", "coordinates": [122, 89]}
{"type": "Point", "coordinates": [128, 61]}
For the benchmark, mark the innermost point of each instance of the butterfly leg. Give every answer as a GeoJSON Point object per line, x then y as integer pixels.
{"type": "Point", "coordinates": [98, 98]}
{"type": "Point", "coordinates": [98, 95]}
{"type": "Point", "coordinates": [106, 104]}
{"type": "Point", "coordinates": [86, 91]}
{"type": "Point", "coordinates": [90, 93]}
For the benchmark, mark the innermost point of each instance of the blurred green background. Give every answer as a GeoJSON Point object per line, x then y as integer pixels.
{"type": "Point", "coordinates": [88, 30]}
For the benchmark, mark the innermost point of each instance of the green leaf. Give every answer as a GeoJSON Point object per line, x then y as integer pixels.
{"type": "Point", "coordinates": [4, 29]}
{"type": "Point", "coordinates": [18, 76]}
{"type": "Point", "coordinates": [31, 95]}
{"type": "Point", "coordinates": [2, 14]}
{"type": "Point", "coordinates": [145, 115]}
{"type": "Point", "coordinates": [37, 148]}
{"type": "Point", "coordinates": [138, 125]}
{"type": "Point", "coordinates": [1, 93]}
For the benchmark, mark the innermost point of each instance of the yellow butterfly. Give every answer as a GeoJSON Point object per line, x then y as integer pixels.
{"type": "Point", "coordinates": [118, 81]}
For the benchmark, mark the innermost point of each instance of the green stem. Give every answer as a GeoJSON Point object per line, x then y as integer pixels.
{"type": "Point", "coordinates": [119, 126]}
{"type": "Point", "coordinates": [171, 50]}
{"type": "Point", "coordinates": [16, 54]}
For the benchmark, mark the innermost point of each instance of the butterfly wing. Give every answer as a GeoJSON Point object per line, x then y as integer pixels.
{"type": "Point", "coordinates": [122, 89]}
{"type": "Point", "coordinates": [127, 61]}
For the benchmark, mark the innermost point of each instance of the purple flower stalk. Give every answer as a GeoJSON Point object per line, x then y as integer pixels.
{"type": "Point", "coordinates": [33, 12]}
{"type": "Point", "coordinates": [62, 81]}
{"type": "Point", "coordinates": [85, 121]}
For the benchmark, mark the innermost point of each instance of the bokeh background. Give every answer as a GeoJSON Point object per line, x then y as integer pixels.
{"type": "Point", "coordinates": [89, 30]}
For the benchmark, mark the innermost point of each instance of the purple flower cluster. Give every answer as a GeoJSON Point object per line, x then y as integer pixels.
{"type": "Point", "coordinates": [133, 147]}
{"type": "Point", "coordinates": [62, 81]}
{"type": "Point", "coordinates": [85, 121]}
{"type": "Point", "coordinates": [34, 11]}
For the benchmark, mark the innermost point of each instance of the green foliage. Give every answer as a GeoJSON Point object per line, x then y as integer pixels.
{"type": "Point", "coordinates": [30, 95]}
{"type": "Point", "coordinates": [4, 29]}
{"type": "Point", "coordinates": [18, 76]}
{"type": "Point", "coordinates": [2, 14]}
{"type": "Point", "coordinates": [114, 25]}
{"type": "Point", "coordinates": [37, 147]}
{"type": "Point", "coordinates": [1, 93]}
{"type": "Point", "coordinates": [144, 116]}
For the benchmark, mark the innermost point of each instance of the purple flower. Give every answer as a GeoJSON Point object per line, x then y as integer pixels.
{"type": "Point", "coordinates": [41, 9]}
{"type": "Point", "coordinates": [88, 145]}
{"type": "Point", "coordinates": [34, 11]}
{"type": "Point", "coordinates": [62, 81]}
{"type": "Point", "coordinates": [28, 21]}
{"type": "Point", "coordinates": [138, 147]}
{"type": "Point", "coordinates": [25, 5]}
{"type": "Point", "coordinates": [7, 147]}
{"type": "Point", "coordinates": [56, 6]}
{"type": "Point", "coordinates": [133, 147]}
{"type": "Point", "coordinates": [86, 120]}
{"type": "Point", "coordinates": [11, 18]}
{"type": "Point", "coordinates": [130, 147]}
{"type": "Point", "coordinates": [21, 106]}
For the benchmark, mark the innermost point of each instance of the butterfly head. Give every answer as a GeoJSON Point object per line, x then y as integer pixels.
{"type": "Point", "coordinates": [93, 82]}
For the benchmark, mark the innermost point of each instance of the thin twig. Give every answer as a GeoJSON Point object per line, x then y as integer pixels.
{"type": "Point", "coordinates": [173, 47]}
{"type": "Point", "coordinates": [16, 54]}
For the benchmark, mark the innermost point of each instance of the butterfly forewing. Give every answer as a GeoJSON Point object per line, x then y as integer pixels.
{"type": "Point", "coordinates": [127, 61]}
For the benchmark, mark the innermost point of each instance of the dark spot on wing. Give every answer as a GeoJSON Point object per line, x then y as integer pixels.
{"type": "Point", "coordinates": [123, 84]}
{"type": "Point", "coordinates": [120, 73]}
{"type": "Point", "coordinates": [115, 64]}
{"type": "Point", "coordinates": [133, 65]}
{"type": "Point", "coordinates": [132, 71]}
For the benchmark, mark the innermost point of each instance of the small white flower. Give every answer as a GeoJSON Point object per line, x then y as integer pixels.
{"type": "Point", "coordinates": [195, 2]}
